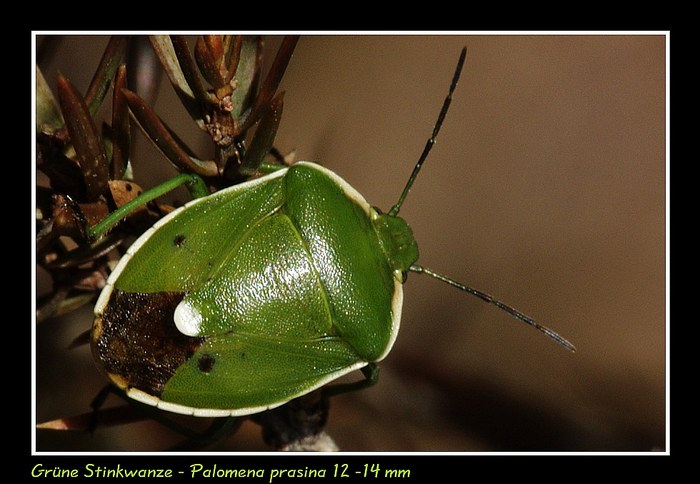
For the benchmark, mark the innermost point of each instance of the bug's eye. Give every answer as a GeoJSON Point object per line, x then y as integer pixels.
{"type": "Point", "coordinates": [404, 277]}
{"type": "Point", "coordinates": [377, 209]}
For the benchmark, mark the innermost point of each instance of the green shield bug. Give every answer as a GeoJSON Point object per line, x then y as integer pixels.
{"type": "Point", "coordinates": [242, 300]}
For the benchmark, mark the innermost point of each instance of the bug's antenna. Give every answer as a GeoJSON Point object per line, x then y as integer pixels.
{"type": "Point", "coordinates": [431, 141]}
{"type": "Point", "coordinates": [489, 299]}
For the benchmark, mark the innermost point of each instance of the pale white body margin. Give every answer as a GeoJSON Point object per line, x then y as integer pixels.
{"type": "Point", "coordinates": [143, 397]}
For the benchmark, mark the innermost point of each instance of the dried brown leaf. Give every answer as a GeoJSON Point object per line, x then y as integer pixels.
{"type": "Point", "coordinates": [247, 73]}
{"type": "Point", "coordinates": [189, 69]}
{"type": "Point", "coordinates": [274, 76]}
{"type": "Point", "coordinates": [121, 138]}
{"type": "Point", "coordinates": [48, 116]}
{"type": "Point", "coordinates": [163, 138]}
{"type": "Point", "coordinates": [209, 54]}
{"type": "Point", "coordinates": [264, 137]}
{"type": "Point", "coordinates": [104, 75]}
{"type": "Point", "coordinates": [85, 138]}
{"type": "Point", "coordinates": [163, 46]}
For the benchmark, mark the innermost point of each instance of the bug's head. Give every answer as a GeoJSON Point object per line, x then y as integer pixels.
{"type": "Point", "coordinates": [397, 241]}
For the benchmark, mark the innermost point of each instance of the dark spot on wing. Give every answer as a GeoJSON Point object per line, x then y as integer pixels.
{"type": "Point", "coordinates": [179, 240]}
{"type": "Point", "coordinates": [206, 363]}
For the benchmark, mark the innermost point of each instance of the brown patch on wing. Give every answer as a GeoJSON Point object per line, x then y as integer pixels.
{"type": "Point", "coordinates": [136, 340]}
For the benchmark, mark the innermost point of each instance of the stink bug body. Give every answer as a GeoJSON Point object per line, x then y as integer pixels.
{"type": "Point", "coordinates": [262, 292]}
{"type": "Point", "coordinates": [259, 293]}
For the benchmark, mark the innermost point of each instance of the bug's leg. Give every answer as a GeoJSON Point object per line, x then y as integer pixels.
{"type": "Point", "coordinates": [193, 182]}
{"type": "Point", "coordinates": [283, 159]}
{"type": "Point", "coordinates": [98, 402]}
{"type": "Point", "coordinates": [96, 405]}
{"type": "Point", "coordinates": [218, 430]}
{"type": "Point", "coordinates": [371, 373]}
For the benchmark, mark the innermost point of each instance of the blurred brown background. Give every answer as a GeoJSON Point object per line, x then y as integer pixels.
{"type": "Point", "coordinates": [546, 188]}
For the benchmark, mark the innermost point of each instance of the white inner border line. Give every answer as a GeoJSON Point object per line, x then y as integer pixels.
{"type": "Point", "coordinates": [36, 33]}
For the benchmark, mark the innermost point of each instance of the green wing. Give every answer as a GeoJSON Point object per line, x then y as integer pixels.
{"type": "Point", "coordinates": [248, 373]}
{"type": "Point", "coordinates": [185, 248]}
